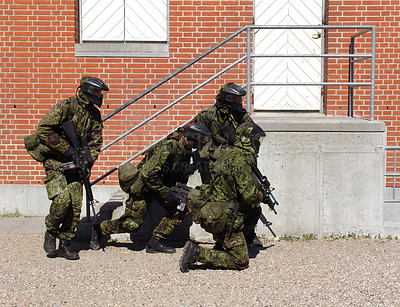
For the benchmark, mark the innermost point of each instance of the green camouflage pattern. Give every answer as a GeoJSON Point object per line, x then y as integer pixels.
{"type": "Point", "coordinates": [233, 181]}
{"type": "Point", "coordinates": [236, 171]}
{"type": "Point", "coordinates": [88, 125]}
{"type": "Point", "coordinates": [164, 166]}
{"type": "Point", "coordinates": [217, 118]}
{"type": "Point", "coordinates": [65, 193]}
{"type": "Point", "coordinates": [64, 189]}
{"type": "Point", "coordinates": [232, 255]}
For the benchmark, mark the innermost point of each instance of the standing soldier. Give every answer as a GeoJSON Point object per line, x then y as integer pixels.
{"type": "Point", "coordinates": [232, 189]}
{"type": "Point", "coordinates": [64, 188]}
{"type": "Point", "coordinates": [223, 119]}
{"type": "Point", "coordinates": [162, 168]}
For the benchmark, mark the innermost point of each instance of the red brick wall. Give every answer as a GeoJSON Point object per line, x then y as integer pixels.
{"type": "Point", "coordinates": [39, 68]}
{"type": "Point", "coordinates": [385, 15]}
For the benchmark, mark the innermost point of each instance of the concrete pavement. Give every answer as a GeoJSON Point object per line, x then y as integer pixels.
{"type": "Point", "coordinates": [34, 224]}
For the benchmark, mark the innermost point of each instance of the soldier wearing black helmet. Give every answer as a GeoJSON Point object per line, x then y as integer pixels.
{"type": "Point", "coordinates": [162, 168]}
{"type": "Point", "coordinates": [229, 206]}
{"type": "Point", "coordinates": [223, 118]}
{"type": "Point", "coordinates": [64, 187]}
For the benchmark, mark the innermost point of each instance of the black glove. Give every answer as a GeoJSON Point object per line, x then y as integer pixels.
{"type": "Point", "coordinates": [172, 200]}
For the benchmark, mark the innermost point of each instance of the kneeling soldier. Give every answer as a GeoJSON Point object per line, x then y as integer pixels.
{"type": "Point", "coordinates": [228, 199]}
{"type": "Point", "coordinates": [163, 167]}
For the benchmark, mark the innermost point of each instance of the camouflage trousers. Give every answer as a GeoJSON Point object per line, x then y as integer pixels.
{"type": "Point", "coordinates": [65, 193]}
{"type": "Point", "coordinates": [135, 212]}
{"type": "Point", "coordinates": [232, 253]}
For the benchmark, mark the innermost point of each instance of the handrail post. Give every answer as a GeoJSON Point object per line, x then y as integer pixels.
{"type": "Point", "coordinates": [248, 70]}
{"type": "Point", "coordinates": [351, 78]}
{"type": "Point", "coordinates": [373, 50]}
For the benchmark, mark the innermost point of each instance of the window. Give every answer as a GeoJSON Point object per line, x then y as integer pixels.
{"type": "Point", "coordinates": [123, 28]}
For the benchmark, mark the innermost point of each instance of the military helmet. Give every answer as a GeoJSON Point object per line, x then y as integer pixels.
{"type": "Point", "coordinates": [197, 134]}
{"type": "Point", "coordinates": [249, 135]}
{"type": "Point", "coordinates": [231, 95]}
{"type": "Point", "coordinates": [94, 89]}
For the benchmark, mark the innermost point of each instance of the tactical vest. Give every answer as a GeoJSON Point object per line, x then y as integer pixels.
{"type": "Point", "coordinates": [212, 216]}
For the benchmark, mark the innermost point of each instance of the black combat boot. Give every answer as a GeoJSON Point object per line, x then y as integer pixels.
{"type": "Point", "coordinates": [256, 242]}
{"type": "Point", "coordinates": [95, 237]}
{"type": "Point", "coordinates": [156, 246]}
{"type": "Point", "coordinates": [64, 250]}
{"type": "Point", "coordinates": [252, 240]}
{"type": "Point", "coordinates": [191, 252]}
{"type": "Point", "coordinates": [49, 244]}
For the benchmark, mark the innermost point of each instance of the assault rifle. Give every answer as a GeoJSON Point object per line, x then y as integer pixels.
{"type": "Point", "coordinates": [82, 161]}
{"type": "Point", "coordinates": [269, 199]}
{"type": "Point", "coordinates": [181, 191]}
{"type": "Point", "coordinates": [266, 189]}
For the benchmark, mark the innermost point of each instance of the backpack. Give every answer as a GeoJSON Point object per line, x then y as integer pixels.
{"type": "Point", "coordinates": [128, 176]}
{"type": "Point", "coordinates": [35, 148]}
{"type": "Point", "coordinates": [211, 215]}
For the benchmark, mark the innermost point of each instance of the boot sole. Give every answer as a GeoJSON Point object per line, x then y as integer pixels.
{"type": "Point", "coordinates": [52, 255]}
{"type": "Point", "coordinates": [60, 254]}
{"type": "Point", "coordinates": [68, 258]}
{"type": "Point", "coordinates": [150, 250]}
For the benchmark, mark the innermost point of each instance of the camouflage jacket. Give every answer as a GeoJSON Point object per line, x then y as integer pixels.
{"type": "Point", "coordinates": [88, 125]}
{"type": "Point", "coordinates": [217, 118]}
{"type": "Point", "coordinates": [232, 178]}
{"type": "Point", "coordinates": [165, 165]}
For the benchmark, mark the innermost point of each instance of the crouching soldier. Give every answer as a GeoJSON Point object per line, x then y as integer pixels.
{"type": "Point", "coordinates": [162, 168]}
{"type": "Point", "coordinates": [222, 206]}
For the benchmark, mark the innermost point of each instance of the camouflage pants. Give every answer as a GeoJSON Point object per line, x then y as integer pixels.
{"type": "Point", "coordinates": [233, 254]}
{"type": "Point", "coordinates": [135, 212]}
{"type": "Point", "coordinates": [65, 192]}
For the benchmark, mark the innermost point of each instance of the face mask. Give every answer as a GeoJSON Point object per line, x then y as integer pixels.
{"type": "Point", "coordinates": [256, 143]}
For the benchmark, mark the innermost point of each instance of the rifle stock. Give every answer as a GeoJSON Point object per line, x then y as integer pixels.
{"type": "Point", "coordinates": [82, 160]}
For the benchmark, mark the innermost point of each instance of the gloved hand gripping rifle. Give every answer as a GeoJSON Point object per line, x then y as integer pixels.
{"type": "Point", "coordinates": [181, 191]}
{"type": "Point", "coordinates": [269, 199]}
{"type": "Point", "coordinates": [82, 161]}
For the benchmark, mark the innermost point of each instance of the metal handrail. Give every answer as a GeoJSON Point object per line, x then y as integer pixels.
{"type": "Point", "coordinates": [393, 174]}
{"type": "Point", "coordinates": [249, 83]}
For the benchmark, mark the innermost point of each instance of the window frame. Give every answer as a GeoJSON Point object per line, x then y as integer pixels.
{"type": "Point", "coordinates": [122, 48]}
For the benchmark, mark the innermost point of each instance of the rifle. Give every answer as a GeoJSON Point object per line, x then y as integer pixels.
{"type": "Point", "coordinates": [266, 188]}
{"type": "Point", "coordinates": [82, 161]}
{"type": "Point", "coordinates": [269, 199]}
{"type": "Point", "coordinates": [181, 191]}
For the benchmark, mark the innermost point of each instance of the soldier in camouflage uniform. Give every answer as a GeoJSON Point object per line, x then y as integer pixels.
{"type": "Point", "coordinates": [222, 119]}
{"type": "Point", "coordinates": [235, 182]}
{"type": "Point", "coordinates": [163, 167]}
{"type": "Point", "coordinates": [64, 188]}
{"type": "Point", "coordinates": [226, 115]}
